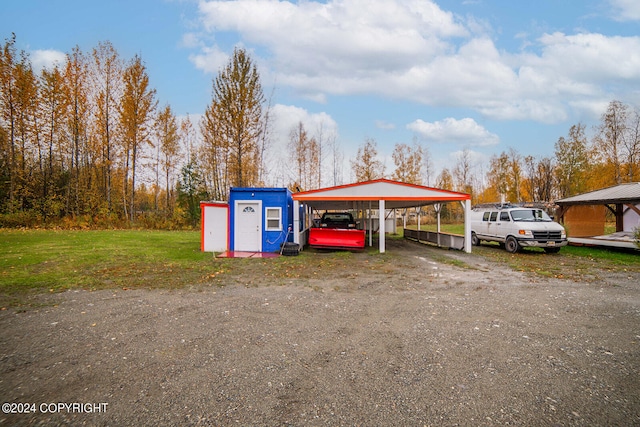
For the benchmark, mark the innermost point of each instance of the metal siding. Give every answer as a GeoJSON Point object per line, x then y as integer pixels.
{"type": "Point", "coordinates": [270, 198]}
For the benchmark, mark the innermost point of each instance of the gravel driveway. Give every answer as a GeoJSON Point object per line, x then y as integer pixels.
{"type": "Point", "coordinates": [426, 343]}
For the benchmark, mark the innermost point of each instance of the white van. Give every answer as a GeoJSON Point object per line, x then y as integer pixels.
{"type": "Point", "coordinates": [517, 227]}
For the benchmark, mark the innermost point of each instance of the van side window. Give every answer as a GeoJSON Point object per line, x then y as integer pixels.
{"type": "Point", "coordinates": [494, 216]}
{"type": "Point", "coordinates": [504, 216]}
{"type": "Point", "coordinates": [485, 217]}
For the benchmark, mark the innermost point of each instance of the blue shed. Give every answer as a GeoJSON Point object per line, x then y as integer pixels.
{"type": "Point", "coordinates": [261, 219]}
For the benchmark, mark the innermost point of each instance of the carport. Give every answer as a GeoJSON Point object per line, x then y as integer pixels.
{"type": "Point", "coordinates": [380, 195]}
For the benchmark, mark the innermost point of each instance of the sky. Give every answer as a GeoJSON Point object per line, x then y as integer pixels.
{"type": "Point", "coordinates": [478, 75]}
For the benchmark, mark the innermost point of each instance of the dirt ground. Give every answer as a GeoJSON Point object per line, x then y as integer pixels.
{"type": "Point", "coordinates": [432, 338]}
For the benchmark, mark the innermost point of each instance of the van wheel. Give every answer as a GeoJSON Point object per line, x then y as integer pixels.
{"type": "Point", "coordinates": [511, 245]}
{"type": "Point", "coordinates": [474, 239]}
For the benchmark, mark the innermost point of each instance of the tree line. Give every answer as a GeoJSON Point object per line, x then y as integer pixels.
{"type": "Point", "coordinates": [578, 164]}
{"type": "Point", "coordinates": [85, 143]}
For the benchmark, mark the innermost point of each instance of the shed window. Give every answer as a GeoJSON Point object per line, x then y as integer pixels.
{"type": "Point", "coordinates": [274, 219]}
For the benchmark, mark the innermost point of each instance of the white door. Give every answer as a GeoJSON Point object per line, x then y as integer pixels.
{"type": "Point", "coordinates": [248, 226]}
{"type": "Point", "coordinates": [216, 228]}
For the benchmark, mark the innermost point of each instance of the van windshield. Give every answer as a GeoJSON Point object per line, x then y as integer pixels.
{"type": "Point", "coordinates": [530, 215]}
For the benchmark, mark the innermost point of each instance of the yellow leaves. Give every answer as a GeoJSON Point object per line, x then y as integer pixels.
{"type": "Point", "coordinates": [214, 274]}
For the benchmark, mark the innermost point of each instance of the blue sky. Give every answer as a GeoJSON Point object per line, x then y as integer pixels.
{"type": "Point", "coordinates": [480, 75]}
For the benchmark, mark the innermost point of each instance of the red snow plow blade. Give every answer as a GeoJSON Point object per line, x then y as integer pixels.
{"type": "Point", "coordinates": [336, 238]}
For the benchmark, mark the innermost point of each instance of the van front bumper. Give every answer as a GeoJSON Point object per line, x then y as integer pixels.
{"type": "Point", "coordinates": [543, 243]}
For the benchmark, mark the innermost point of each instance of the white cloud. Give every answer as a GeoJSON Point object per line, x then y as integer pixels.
{"type": "Point", "coordinates": [191, 40]}
{"type": "Point", "coordinates": [413, 50]}
{"type": "Point", "coordinates": [47, 59]}
{"type": "Point", "coordinates": [384, 125]}
{"type": "Point", "coordinates": [211, 60]}
{"type": "Point", "coordinates": [286, 117]}
{"type": "Point", "coordinates": [591, 58]}
{"type": "Point", "coordinates": [464, 132]}
{"type": "Point", "coordinates": [340, 37]}
{"type": "Point", "coordinates": [626, 10]}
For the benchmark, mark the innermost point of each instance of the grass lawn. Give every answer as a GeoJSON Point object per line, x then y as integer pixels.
{"type": "Point", "coordinates": [37, 261]}
{"type": "Point", "coordinates": [444, 228]}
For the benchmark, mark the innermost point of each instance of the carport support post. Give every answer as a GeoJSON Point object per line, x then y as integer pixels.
{"type": "Point", "coordinates": [437, 207]}
{"type": "Point", "coordinates": [467, 226]}
{"type": "Point", "coordinates": [296, 221]}
{"type": "Point", "coordinates": [381, 211]}
{"type": "Point", "coordinates": [370, 226]}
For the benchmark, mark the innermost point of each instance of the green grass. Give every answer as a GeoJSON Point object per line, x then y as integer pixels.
{"type": "Point", "coordinates": [444, 228]}
{"type": "Point", "coordinates": [33, 262]}
{"type": "Point", "coordinates": [578, 263]}
{"type": "Point", "coordinates": [58, 260]}
{"type": "Point", "coordinates": [36, 261]}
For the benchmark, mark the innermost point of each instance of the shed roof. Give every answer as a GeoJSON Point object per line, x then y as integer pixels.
{"type": "Point", "coordinates": [395, 194]}
{"type": "Point", "coordinates": [623, 193]}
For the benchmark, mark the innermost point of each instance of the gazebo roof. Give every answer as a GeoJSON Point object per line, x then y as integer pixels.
{"type": "Point", "coordinates": [623, 193]}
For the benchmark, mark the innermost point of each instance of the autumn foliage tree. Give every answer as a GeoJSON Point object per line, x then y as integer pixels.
{"type": "Point", "coordinates": [167, 154]}
{"type": "Point", "coordinates": [234, 123]}
{"type": "Point", "coordinates": [305, 157]}
{"type": "Point", "coordinates": [137, 107]}
{"type": "Point", "coordinates": [7, 111]}
{"type": "Point", "coordinates": [408, 161]}
{"type": "Point", "coordinates": [572, 162]}
{"type": "Point", "coordinates": [367, 166]}
{"type": "Point", "coordinates": [617, 143]}
{"type": "Point", "coordinates": [107, 81]}
{"type": "Point", "coordinates": [76, 134]}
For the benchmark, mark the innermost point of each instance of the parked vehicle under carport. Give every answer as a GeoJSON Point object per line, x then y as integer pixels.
{"type": "Point", "coordinates": [336, 230]}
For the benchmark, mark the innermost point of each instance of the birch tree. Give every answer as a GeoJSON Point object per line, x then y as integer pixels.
{"type": "Point", "coordinates": [167, 149]}
{"type": "Point", "coordinates": [76, 121]}
{"type": "Point", "coordinates": [408, 162]}
{"type": "Point", "coordinates": [572, 162]}
{"type": "Point", "coordinates": [52, 106]}
{"type": "Point", "coordinates": [304, 156]}
{"type": "Point", "coordinates": [462, 171]}
{"type": "Point", "coordinates": [214, 154]}
{"type": "Point", "coordinates": [136, 109]}
{"type": "Point", "coordinates": [499, 175]}
{"type": "Point", "coordinates": [8, 89]}
{"type": "Point", "coordinates": [366, 165]}
{"type": "Point", "coordinates": [610, 137]}
{"type": "Point", "coordinates": [107, 74]}
{"type": "Point", "coordinates": [632, 146]}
